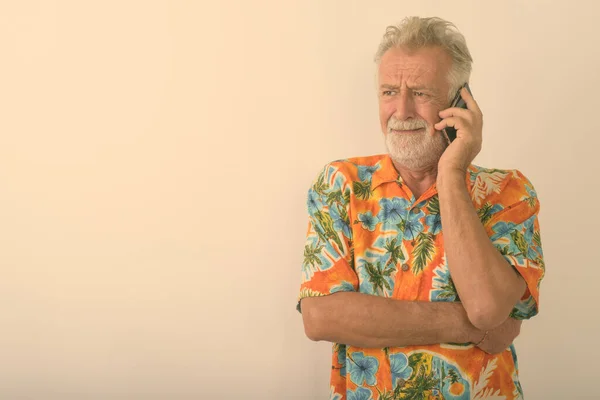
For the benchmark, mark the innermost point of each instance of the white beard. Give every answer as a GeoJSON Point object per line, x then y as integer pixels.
{"type": "Point", "coordinates": [414, 151]}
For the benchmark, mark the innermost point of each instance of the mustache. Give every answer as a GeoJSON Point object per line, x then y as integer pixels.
{"type": "Point", "coordinates": [397, 125]}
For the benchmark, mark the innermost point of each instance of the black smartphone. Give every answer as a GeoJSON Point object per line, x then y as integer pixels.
{"type": "Point", "coordinates": [456, 102]}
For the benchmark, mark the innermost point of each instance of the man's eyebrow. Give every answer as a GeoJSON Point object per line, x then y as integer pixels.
{"type": "Point", "coordinates": [416, 87]}
{"type": "Point", "coordinates": [421, 87]}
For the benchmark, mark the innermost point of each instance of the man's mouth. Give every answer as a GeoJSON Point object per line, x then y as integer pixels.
{"type": "Point", "coordinates": [405, 131]}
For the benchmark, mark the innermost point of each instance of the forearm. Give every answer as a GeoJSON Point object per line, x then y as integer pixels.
{"type": "Point", "coordinates": [487, 284]}
{"type": "Point", "coordinates": [368, 321]}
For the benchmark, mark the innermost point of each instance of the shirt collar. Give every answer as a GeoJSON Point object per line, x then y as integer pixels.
{"type": "Point", "coordinates": [387, 173]}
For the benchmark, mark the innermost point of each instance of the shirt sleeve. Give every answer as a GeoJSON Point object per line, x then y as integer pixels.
{"type": "Point", "coordinates": [328, 262]}
{"type": "Point", "coordinates": [513, 228]}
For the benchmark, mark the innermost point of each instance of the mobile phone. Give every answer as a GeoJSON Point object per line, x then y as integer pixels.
{"type": "Point", "coordinates": [458, 101]}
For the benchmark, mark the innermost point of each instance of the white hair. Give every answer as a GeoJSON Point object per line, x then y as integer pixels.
{"type": "Point", "coordinates": [416, 32]}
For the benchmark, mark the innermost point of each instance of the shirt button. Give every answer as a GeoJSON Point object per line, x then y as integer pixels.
{"type": "Point", "coordinates": [404, 267]}
{"type": "Point", "coordinates": [415, 210]}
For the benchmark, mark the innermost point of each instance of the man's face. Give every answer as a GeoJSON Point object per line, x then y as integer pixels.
{"type": "Point", "coordinates": [412, 89]}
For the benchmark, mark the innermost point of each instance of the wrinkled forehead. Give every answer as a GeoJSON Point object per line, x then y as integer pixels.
{"type": "Point", "coordinates": [423, 66]}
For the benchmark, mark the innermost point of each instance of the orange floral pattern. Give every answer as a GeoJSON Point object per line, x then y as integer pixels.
{"type": "Point", "coordinates": [368, 233]}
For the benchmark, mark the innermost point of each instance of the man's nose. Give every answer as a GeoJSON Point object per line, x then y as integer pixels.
{"type": "Point", "coordinates": [405, 106]}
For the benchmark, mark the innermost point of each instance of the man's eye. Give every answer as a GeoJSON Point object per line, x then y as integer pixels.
{"type": "Point", "coordinates": [419, 94]}
{"type": "Point", "coordinates": [389, 93]}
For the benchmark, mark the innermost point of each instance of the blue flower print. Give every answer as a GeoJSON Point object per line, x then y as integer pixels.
{"type": "Point", "coordinates": [360, 394]}
{"type": "Point", "coordinates": [513, 353]}
{"type": "Point", "coordinates": [369, 221]}
{"type": "Point", "coordinates": [333, 395]}
{"type": "Point", "coordinates": [530, 191]}
{"type": "Point", "coordinates": [399, 367]}
{"type": "Point", "coordinates": [392, 210]}
{"type": "Point", "coordinates": [521, 243]}
{"type": "Point", "coordinates": [533, 249]}
{"type": "Point", "coordinates": [363, 368]}
{"type": "Point", "coordinates": [442, 288]}
{"type": "Point", "coordinates": [338, 223]}
{"type": "Point", "coordinates": [434, 222]}
{"type": "Point", "coordinates": [496, 208]}
{"type": "Point", "coordinates": [413, 225]}
{"type": "Point", "coordinates": [529, 229]}
{"type": "Point", "coordinates": [314, 203]}
{"type": "Point", "coordinates": [524, 309]}
{"type": "Point", "coordinates": [502, 228]}
{"type": "Point", "coordinates": [344, 286]}
{"type": "Point", "coordinates": [366, 172]}
{"type": "Point", "coordinates": [341, 358]}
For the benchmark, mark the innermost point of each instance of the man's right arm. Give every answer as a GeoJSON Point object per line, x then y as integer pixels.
{"type": "Point", "coordinates": [368, 321]}
{"type": "Point", "coordinates": [336, 312]}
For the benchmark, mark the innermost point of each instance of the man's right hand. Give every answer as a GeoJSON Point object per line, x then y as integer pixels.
{"type": "Point", "coordinates": [499, 338]}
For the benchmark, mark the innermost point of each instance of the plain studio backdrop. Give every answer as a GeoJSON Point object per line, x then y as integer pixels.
{"type": "Point", "coordinates": [155, 158]}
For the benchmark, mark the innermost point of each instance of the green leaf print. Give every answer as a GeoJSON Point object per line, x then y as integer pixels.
{"type": "Point", "coordinates": [394, 395]}
{"type": "Point", "coordinates": [347, 196]}
{"type": "Point", "coordinates": [362, 189]}
{"type": "Point", "coordinates": [539, 261]}
{"type": "Point", "coordinates": [420, 385]}
{"type": "Point", "coordinates": [434, 205]}
{"type": "Point", "coordinates": [452, 376]}
{"type": "Point", "coordinates": [424, 251]}
{"type": "Point", "coordinates": [326, 222]}
{"type": "Point", "coordinates": [485, 213]}
{"type": "Point", "coordinates": [537, 240]}
{"type": "Point", "coordinates": [504, 250]}
{"type": "Point", "coordinates": [334, 197]}
{"type": "Point", "coordinates": [394, 250]}
{"type": "Point", "coordinates": [377, 276]}
{"type": "Point", "coordinates": [401, 225]}
{"type": "Point", "coordinates": [520, 242]}
{"type": "Point", "coordinates": [320, 186]}
{"type": "Point", "coordinates": [344, 215]}
{"type": "Point", "coordinates": [414, 360]}
{"type": "Point", "coordinates": [311, 255]}
{"type": "Point", "coordinates": [448, 291]}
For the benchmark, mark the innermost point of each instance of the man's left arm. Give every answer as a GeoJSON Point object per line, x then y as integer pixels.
{"type": "Point", "coordinates": [488, 285]}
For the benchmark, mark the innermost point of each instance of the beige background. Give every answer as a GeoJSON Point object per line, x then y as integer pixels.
{"type": "Point", "coordinates": [154, 163]}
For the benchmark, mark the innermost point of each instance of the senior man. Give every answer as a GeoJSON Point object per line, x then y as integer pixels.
{"type": "Point", "coordinates": [419, 266]}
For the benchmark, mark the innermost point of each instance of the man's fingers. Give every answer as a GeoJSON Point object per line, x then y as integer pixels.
{"type": "Point", "coordinates": [471, 103]}
{"type": "Point", "coordinates": [455, 112]}
{"type": "Point", "coordinates": [452, 121]}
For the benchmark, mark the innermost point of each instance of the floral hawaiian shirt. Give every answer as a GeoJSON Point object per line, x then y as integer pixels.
{"type": "Point", "coordinates": [368, 233]}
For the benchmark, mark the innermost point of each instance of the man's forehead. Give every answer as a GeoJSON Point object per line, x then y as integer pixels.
{"type": "Point", "coordinates": [415, 77]}
{"type": "Point", "coordinates": [402, 66]}
{"type": "Point", "coordinates": [419, 68]}
{"type": "Point", "coordinates": [406, 70]}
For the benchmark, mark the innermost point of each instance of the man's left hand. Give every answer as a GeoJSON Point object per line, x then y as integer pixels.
{"type": "Point", "coordinates": [468, 124]}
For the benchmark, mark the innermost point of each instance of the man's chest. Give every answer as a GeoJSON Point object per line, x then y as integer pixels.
{"type": "Point", "coordinates": [398, 247]}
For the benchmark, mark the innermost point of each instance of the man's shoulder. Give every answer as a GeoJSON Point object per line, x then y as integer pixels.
{"type": "Point", "coordinates": [493, 183]}
{"type": "Point", "coordinates": [485, 174]}
{"type": "Point", "coordinates": [353, 168]}
{"type": "Point", "coordinates": [362, 161]}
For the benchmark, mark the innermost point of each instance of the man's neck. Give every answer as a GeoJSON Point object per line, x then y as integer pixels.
{"type": "Point", "coordinates": [418, 181]}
